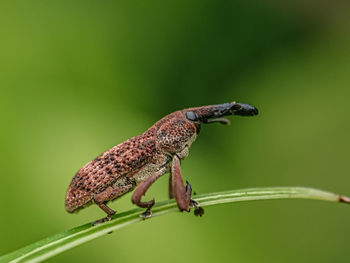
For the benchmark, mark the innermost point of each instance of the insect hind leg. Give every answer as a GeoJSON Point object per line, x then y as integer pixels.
{"type": "Point", "coordinates": [110, 212]}
{"type": "Point", "coordinates": [109, 194]}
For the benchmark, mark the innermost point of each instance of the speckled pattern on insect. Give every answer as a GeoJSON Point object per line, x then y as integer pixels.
{"type": "Point", "coordinates": [141, 160]}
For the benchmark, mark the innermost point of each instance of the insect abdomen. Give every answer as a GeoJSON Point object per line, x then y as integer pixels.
{"type": "Point", "coordinates": [107, 168]}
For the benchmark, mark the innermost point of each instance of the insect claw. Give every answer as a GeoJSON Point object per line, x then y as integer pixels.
{"type": "Point", "coordinates": [194, 203]}
{"type": "Point", "coordinates": [100, 221]}
{"type": "Point", "coordinates": [146, 214]}
{"type": "Point", "coordinates": [199, 211]}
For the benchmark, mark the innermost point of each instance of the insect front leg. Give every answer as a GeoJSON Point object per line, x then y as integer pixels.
{"type": "Point", "coordinates": [181, 192]}
{"type": "Point", "coordinates": [141, 190]}
{"type": "Point", "coordinates": [180, 155]}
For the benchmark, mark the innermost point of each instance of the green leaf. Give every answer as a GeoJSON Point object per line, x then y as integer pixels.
{"type": "Point", "coordinates": [59, 243]}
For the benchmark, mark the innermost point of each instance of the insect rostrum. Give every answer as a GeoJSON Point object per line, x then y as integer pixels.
{"type": "Point", "coordinates": [141, 160]}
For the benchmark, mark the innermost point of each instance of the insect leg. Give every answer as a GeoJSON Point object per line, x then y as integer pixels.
{"type": "Point", "coordinates": [141, 190]}
{"type": "Point", "coordinates": [110, 193]}
{"type": "Point", "coordinates": [183, 194]}
{"type": "Point", "coordinates": [110, 212]}
{"type": "Point", "coordinates": [171, 191]}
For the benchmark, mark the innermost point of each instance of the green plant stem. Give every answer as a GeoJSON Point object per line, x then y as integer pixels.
{"type": "Point", "coordinates": [56, 244]}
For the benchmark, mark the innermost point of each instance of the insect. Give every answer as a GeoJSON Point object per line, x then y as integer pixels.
{"type": "Point", "coordinates": [138, 162]}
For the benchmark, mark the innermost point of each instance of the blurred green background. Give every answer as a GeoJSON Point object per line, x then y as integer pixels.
{"type": "Point", "coordinates": [78, 77]}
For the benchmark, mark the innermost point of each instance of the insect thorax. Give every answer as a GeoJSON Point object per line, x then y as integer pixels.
{"type": "Point", "coordinates": [175, 134]}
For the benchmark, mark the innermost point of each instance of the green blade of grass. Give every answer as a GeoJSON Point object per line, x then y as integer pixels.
{"type": "Point", "coordinates": [56, 244]}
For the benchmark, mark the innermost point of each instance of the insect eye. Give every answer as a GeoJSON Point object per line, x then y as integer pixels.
{"type": "Point", "coordinates": [190, 115]}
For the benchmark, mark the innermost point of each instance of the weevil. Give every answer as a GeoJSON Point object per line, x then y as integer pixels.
{"type": "Point", "coordinates": [138, 162]}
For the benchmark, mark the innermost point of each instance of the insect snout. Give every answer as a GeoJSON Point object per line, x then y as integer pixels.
{"type": "Point", "coordinates": [214, 113]}
{"type": "Point", "coordinates": [244, 109]}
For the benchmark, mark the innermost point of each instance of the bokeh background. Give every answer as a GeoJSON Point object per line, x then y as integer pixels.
{"type": "Point", "coordinates": [78, 77]}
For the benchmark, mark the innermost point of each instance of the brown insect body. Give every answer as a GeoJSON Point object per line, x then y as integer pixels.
{"type": "Point", "coordinates": [139, 161]}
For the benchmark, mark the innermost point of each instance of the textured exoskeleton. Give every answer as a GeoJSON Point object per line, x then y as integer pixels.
{"type": "Point", "coordinates": [141, 160]}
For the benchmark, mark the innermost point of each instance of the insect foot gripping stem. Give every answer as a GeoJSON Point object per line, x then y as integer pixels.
{"type": "Point", "coordinates": [198, 211]}
{"type": "Point", "coordinates": [109, 212]}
